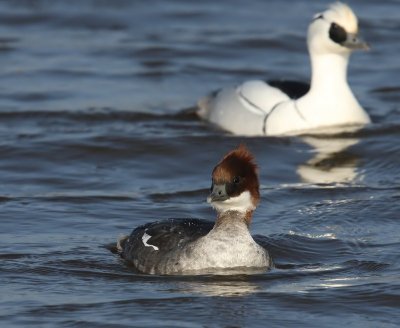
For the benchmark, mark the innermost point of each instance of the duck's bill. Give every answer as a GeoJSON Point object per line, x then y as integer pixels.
{"type": "Point", "coordinates": [218, 193]}
{"type": "Point", "coordinates": [353, 42]}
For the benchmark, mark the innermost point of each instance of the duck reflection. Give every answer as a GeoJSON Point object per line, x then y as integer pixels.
{"type": "Point", "coordinates": [332, 162]}
{"type": "Point", "coordinates": [224, 289]}
{"type": "Point", "coordinates": [224, 286]}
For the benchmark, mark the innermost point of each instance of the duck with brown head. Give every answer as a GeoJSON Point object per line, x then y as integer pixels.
{"type": "Point", "coordinates": [194, 246]}
{"type": "Point", "coordinates": [235, 186]}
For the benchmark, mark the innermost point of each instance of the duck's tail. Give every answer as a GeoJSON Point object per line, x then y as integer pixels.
{"type": "Point", "coordinates": [121, 243]}
{"type": "Point", "coordinates": [204, 105]}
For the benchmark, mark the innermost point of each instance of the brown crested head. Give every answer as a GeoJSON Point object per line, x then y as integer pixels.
{"type": "Point", "coordinates": [235, 183]}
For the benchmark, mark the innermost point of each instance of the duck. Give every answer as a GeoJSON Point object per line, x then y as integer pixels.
{"type": "Point", "coordinates": [189, 246]}
{"type": "Point", "coordinates": [284, 107]}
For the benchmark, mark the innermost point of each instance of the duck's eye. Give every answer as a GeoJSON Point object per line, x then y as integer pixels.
{"type": "Point", "coordinates": [236, 180]}
{"type": "Point", "coordinates": [318, 16]}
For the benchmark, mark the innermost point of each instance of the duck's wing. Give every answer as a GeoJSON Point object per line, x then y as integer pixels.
{"type": "Point", "coordinates": [150, 243]}
{"type": "Point", "coordinates": [242, 109]}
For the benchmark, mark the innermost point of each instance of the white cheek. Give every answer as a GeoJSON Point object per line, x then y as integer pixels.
{"type": "Point", "coordinates": [241, 203]}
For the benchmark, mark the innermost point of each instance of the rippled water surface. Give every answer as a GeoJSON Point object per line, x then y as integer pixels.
{"type": "Point", "coordinates": [94, 141]}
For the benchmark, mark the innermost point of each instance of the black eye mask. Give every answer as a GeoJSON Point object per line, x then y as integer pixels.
{"type": "Point", "coordinates": [337, 34]}
{"type": "Point", "coordinates": [235, 187]}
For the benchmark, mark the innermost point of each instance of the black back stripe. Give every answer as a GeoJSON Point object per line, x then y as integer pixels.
{"type": "Point", "coordinates": [293, 89]}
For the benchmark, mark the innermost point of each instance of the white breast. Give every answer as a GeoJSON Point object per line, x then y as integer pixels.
{"type": "Point", "coordinates": [223, 249]}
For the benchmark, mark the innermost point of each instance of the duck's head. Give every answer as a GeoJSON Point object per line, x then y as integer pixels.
{"type": "Point", "coordinates": [235, 185]}
{"type": "Point", "coordinates": [335, 31]}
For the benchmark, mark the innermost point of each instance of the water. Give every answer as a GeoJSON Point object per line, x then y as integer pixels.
{"type": "Point", "coordinates": [93, 142]}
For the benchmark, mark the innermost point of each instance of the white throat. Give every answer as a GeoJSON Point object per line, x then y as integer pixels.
{"type": "Point", "coordinates": [329, 73]}
{"type": "Point", "coordinates": [242, 203]}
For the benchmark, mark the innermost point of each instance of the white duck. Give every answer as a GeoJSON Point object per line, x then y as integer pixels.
{"type": "Point", "coordinates": [290, 108]}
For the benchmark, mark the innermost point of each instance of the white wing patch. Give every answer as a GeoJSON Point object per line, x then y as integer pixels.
{"type": "Point", "coordinates": [145, 238]}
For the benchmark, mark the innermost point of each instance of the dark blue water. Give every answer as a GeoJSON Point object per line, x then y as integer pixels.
{"type": "Point", "coordinates": [93, 142]}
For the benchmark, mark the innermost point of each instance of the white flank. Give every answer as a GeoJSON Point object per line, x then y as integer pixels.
{"type": "Point", "coordinates": [145, 238]}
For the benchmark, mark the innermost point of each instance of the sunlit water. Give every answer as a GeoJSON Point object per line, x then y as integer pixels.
{"type": "Point", "coordinates": [93, 142]}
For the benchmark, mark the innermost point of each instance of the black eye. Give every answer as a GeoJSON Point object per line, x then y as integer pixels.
{"type": "Point", "coordinates": [236, 180]}
{"type": "Point", "coordinates": [337, 33]}
{"type": "Point", "coordinates": [320, 16]}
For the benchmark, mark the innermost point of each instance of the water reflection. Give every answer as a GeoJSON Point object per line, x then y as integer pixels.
{"type": "Point", "coordinates": [332, 161]}
{"type": "Point", "coordinates": [216, 287]}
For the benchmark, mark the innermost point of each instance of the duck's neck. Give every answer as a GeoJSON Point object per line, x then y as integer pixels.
{"type": "Point", "coordinates": [233, 218]}
{"type": "Point", "coordinates": [329, 74]}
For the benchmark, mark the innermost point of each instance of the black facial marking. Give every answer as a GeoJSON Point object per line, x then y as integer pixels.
{"type": "Point", "coordinates": [337, 33]}
{"type": "Point", "coordinates": [235, 187]}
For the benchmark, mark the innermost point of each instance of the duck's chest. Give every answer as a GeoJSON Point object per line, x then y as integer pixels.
{"type": "Point", "coordinates": [226, 251]}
